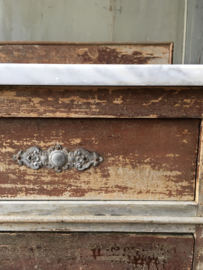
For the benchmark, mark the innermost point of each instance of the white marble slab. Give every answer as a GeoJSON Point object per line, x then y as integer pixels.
{"type": "Point", "coordinates": [101, 75]}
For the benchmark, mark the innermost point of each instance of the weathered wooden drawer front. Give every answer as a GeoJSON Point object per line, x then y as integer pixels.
{"type": "Point", "coordinates": [105, 102]}
{"type": "Point", "coordinates": [144, 159]}
{"type": "Point", "coordinates": [56, 251]}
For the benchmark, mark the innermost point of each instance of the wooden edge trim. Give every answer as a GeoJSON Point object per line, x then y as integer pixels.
{"type": "Point", "coordinates": [103, 219]}
{"type": "Point", "coordinates": [107, 202]}
{"type": "Point", "coordinates": [97, 227]}
{"type": "Point", "coordinates": [198, 248]}
{"type": "Point", "coordinates": [198, 197]}
{"type": "Point", "coordinates": [98, 208]}
{"type": "Point", "coordinates": [170, 43]}
{"type": "Point", "coordinates": [171, 54]}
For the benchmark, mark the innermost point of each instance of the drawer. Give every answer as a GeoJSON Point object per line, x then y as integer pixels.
{"type": "Point", "coordinates": [85, 251]}
{"type": "Point", "coordinates": [143, 159]}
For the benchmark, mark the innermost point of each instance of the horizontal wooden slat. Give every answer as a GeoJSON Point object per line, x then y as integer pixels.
{"type": "Point", "coordinates": [102, 220]}
{"type": "Point", "coordinates": [144, 159]}
{"type": "Point", "coordinates": [95, 251]}
{"type": "Point", "coordinates": [95, 227]}
{"type": "Point", "coordinates": [97, 208]}
{"type": "Point", "coordinates": [73, 53]}
{"type": "Point", "coordinates": [110, 102]}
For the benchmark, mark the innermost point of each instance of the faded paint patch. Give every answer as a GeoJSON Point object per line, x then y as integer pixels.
{"type": "Point", "coordinates": [120, 181]}
{"type": "Point", "coordinates": [172, 155]}
{"type": "Point", "coordinates": [118, 100]}
{"type": "Point", "coordinates": [75, 141]}
{"type": "Point", "coordinates": [153, 101]}
{"type": "Point", "coordinates": [78, 100]}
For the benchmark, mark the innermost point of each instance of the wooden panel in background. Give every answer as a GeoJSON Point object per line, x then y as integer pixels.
{"type": "Point", "coordinates": [51, 251]}
{"type": "Point", "coordinates": [194, 33]}
{"type": "Point", "coordinates": [119, 102]}
{"type": "Point", "coordinates": [70, 53]}
{"type": "Point", "coordinates": [144, 159]}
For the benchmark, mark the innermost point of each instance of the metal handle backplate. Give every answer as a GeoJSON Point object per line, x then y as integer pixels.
{"type": "Point", "coordinates": [58, 158]}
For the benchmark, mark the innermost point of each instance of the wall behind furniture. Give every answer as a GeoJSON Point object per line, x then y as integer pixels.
{"type": "Point", "coordinates": [106, 21]}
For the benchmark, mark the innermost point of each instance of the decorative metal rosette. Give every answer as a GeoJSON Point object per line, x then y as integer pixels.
{"type": "Point", "coordinates": [57, 158]}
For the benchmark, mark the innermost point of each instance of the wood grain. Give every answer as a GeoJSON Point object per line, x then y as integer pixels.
{"type": "Point", "coordinates": [96, 227]}
{"type": "Point", "coordinates": [51, 251]}
{"type": "Point", "coordinates": [199, 178]}
{"type": "Point", "coordinates": [22, 209]}
{"type": "Point", "coordinates": [101, 102]}
{"type": "Point", "coordinates": [198, 250]}
{"type": "Point", "coordinates": [70, 53]}
{"type": "Point", "coordinates": [144, 159]}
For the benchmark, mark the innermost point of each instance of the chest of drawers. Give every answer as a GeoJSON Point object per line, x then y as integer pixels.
{"type": "Point", "coordinates": [115, 171]}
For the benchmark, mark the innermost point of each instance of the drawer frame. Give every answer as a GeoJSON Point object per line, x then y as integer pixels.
{"type": "Point", "coordinates": [117, 216]}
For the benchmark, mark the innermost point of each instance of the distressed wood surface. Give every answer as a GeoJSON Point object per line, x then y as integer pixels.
{"type": "Point", "coordinates": [199, 178]}
{"type": "Point", "coordinates": [198, 250]}
{"type": "Point", "coordinates": [67, 53]}
{"type": "Point", "coordinates": [95, 251]}
{"type": "Point", "coordinates": [110, 102]}
{"type": "Point", "coordinates": [144, 159]}
{"type": "Point", "coordinates": [97, 208]}
{"type": "Point", "coordinates": [96, 227]}
{"type": "Point", "coordinates": [103, 219]}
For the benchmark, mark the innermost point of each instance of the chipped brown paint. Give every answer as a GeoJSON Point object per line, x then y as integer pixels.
{"type": "Point", "coordinates": [198, 251]}
{"type": "Point", "coordinates": [144, 159]}
{"type": "Point", "coordinates": [67, 53]}
{"type": "Point", "coordinates": [101, 102]}
{"type": "Point", "coordinates": [199, 185]}
{"type": "Point", "coordinates": [79, 251]}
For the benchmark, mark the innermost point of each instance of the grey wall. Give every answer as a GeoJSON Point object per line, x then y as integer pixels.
{"type": "Point", "coordinates": [104, 20]}
{"type": "Point", "coordinates": [194, 37]}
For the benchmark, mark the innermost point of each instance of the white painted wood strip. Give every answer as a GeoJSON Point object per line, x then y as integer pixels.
{"type": "Point", "coordinates": [98, 208]}
{"type": "Point", "coordinates": [103, 219]}
{"type": "Point", "coordinates": [98, 227]}
{"type": "Point", "coordinates": [101, 75]}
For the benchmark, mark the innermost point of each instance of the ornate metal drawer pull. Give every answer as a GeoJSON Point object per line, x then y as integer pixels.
{"type": "Point", "coordinates": [58, 158]}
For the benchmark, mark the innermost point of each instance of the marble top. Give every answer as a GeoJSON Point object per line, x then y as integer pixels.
{"type": "Point", "coordinates": [101, 75]}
